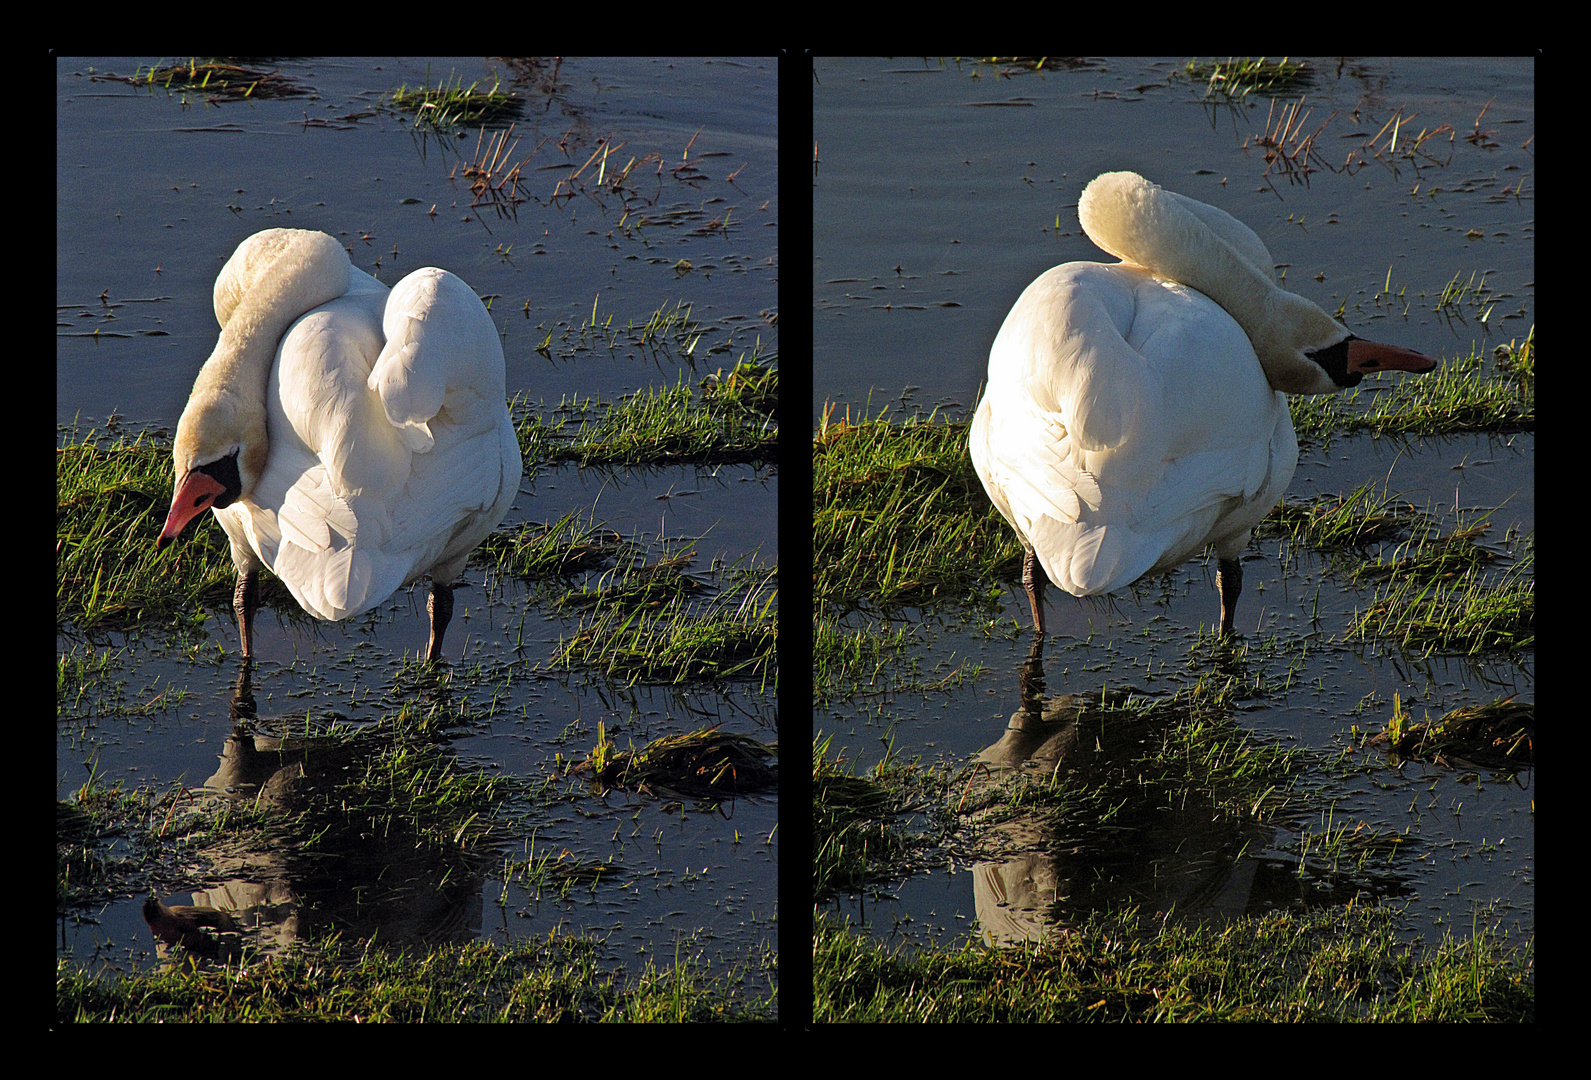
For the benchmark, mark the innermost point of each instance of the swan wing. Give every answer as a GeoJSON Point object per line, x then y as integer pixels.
{"type": "Point", "coordinates": [440, 383]}
{"type": "Point", "coordinates": [1067, 400]}
{"type": "Point", "coordinates": [399, 456]}
{"type": "Point", "coordinates": [441, 350]}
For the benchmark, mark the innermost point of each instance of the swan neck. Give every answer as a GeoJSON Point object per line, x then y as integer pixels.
{"type": "Point", "coordinates": [273, 278]}
{"type": "Point", "coordinates": [1141, 223]}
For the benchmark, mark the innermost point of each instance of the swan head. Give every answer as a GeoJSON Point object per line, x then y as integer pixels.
{"type": "Point", "coordinates": [1302, 349]}
{"type": "Point", "coordinates": [216, 460]}
{"type": "Point", "coordinates": [1352, 358]}
{"type": "Point", "coordinates": [1305, 351]}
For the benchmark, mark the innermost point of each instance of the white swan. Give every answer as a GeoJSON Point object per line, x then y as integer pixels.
{"type": "Point", "coordinates": [349, 440]}
{"type": "Point", "coordinates": [1135, 412]}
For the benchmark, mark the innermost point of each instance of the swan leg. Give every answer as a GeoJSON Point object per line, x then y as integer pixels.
{"type": "Point", "coordinates": [1229, 583]}
{"type": "Point", "coordinates": [1033, 580]}
{"type": "Point", "coordinates": [245, 601]}
{"type": "Point", "coordinates": [441, 608]}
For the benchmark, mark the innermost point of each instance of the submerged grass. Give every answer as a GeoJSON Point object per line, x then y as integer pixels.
{"type": "Point", "coordinates": [324, 790]}
{"type": "Point", "coordinates": [1130, 798]}
{"type": "Point", "coordinates": [452, 104]}
{"type": "Point", "coordinates": [217, 79]}
{"type": "Point", "coordinates": [853, 662]}
{"type": "Point", "coordinates": [1439, 591]}
{"type": "Point", "coordinates": [545, 872]}
{"type": "Point", "coordinates": [1232, 78]}
{"type": "Point", "coordinates": [91, 682]}
{"type": "Point", "coordinates": [572, 545]}
{"type": "Point", "coordinates": [388, 803]}
{"type": "Point", "coordinates": [1498, 735]}
{"type": "Point", "coordinates": [1361, 518]}
{"type": "Point", "coordinates": [705, 765]}
{"type": "Point", "coordinates": [1149, 762]}
{"type": "Point", "coordinates": [858, 835]}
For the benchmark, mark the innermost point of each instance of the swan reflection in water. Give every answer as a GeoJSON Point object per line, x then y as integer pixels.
{"type": "Point", "coordinates": [1118, 820]}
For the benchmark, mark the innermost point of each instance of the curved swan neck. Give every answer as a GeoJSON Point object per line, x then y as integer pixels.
{"type": "Point", "coordinates": [274, 277]}
{"type": "Point", "coordinates": [1209, 250]}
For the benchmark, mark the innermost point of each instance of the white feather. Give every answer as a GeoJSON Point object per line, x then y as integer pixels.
{"type": "Point", "coordinates": [1134, 412]}
{"type": "Point", "coordinates": [388, 451]}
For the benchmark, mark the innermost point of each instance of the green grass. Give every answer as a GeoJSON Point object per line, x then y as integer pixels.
{"type": "Point", "coordinates": [1131, 768]}
{"type": "Point", "coordinates": [1437, 592]}
{"type": "Point", "coordinates": [568, 547]}
{"type": "Point", "coordinates": [1465, 613]}
{"type": "Point", "coordinates": [555, 980]}
{"type": "Point", "coordinates": [1285, 967]}
{"type": "Point", "coordinates": [111, 501]}
{"type": "Point", "coordinates": [729, 418]}
{"type": "Point", "coordinates": [1354, 521]}
{"type": "Point", "coordinates": [899, 518]}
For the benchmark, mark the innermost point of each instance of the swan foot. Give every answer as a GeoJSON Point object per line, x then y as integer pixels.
{"type": "Point", "coordinates": [245, 601]}
{"type": "Point", "coordinates": [1229, 583]}
{"type": "Point", "coordinates": [441, 608]}
{"type": "Point", "coordinates": [1033, 580]}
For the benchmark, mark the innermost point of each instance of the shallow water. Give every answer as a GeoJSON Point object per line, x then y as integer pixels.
{"type": "Point", "coordinates": [942, 189]}
{"type": "Point", "coordinates": [154, 192]}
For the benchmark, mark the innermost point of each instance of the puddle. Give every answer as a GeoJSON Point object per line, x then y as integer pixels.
{"type": "Point", "coordinates": [155, 192]}
{"type": "Point", "coordinates": [932, 214]}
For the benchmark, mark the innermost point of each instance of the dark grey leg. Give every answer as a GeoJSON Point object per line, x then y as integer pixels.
{"type": "Point", "coordinates": [1229, 582]}
{"type": "Point", "coordinates": [1033, 580]}
{"type": "Point", "coordinates": [245, 601]}
{"type": "Point", "coordinates": [441, 608]}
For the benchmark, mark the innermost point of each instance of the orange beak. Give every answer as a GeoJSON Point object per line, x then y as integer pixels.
{"type": "Point", "coordinates": [1365, 357]}
{"type": "Point", "coordinates": [192, 498]}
